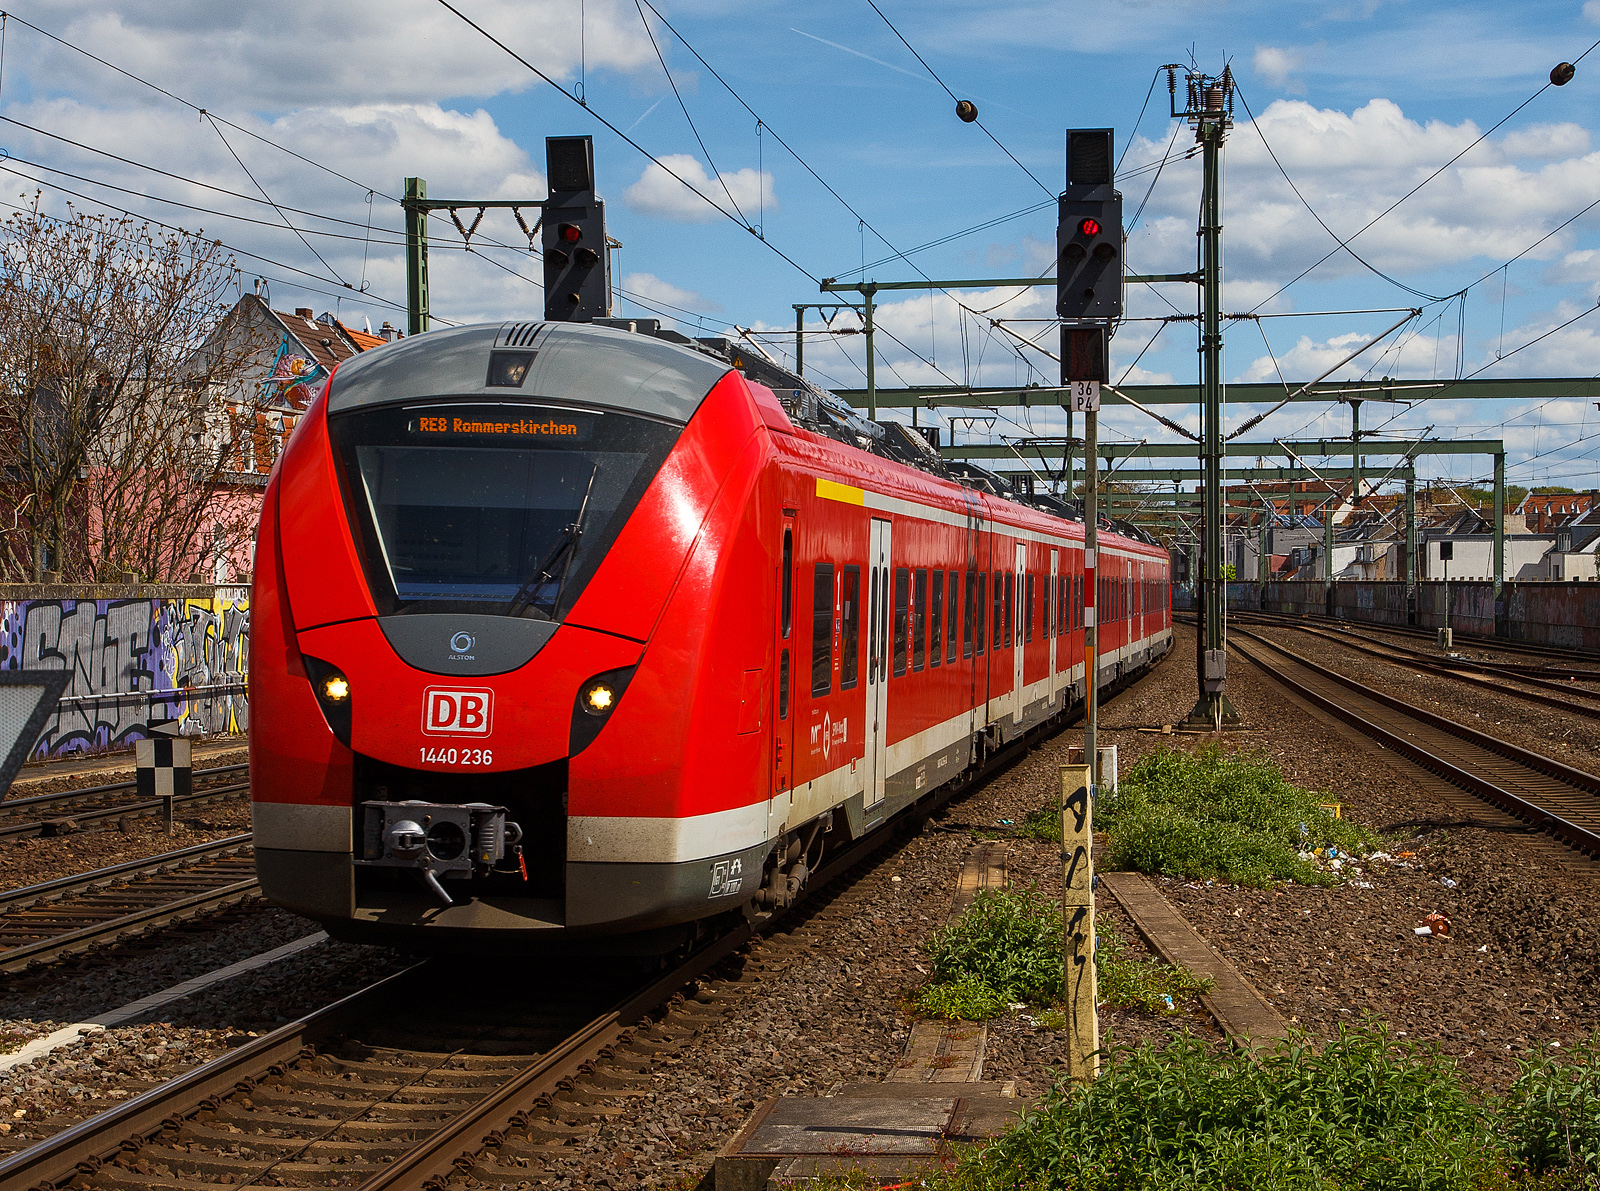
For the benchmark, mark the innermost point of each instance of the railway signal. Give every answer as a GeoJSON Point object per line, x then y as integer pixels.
{"type": "Point", "coordinates": [1089, 254]}
{"type": "Point", "coordinates": [577, 269]}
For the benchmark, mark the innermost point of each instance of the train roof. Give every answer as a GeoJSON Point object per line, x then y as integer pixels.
{"type": "Point", "coordinates": [579, 362]}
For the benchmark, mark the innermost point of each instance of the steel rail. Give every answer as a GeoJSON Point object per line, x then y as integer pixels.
{"type": "Point", "coordinates": [1576, 836]}
{"type": "Point", "coordinates": [149, 806]}
{"type": "Point", "coordinates": [10, 804]}
{"type": "Point", "coordinates": [455, 1146]}
{"type": "Point", "coordinates": [27, 895]}
{"type": "Point", "coordinates": [1458, 670]}
{"type": "Point", "coordinates": [1476, 640]}
{"type": "Point", "coordinates": [14, 959]}
{"type": "Point", "coordinates": [83, 1148]}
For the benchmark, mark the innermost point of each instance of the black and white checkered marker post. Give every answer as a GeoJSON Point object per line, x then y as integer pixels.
{"type": "Point", "coordinates": [165, 766]}
{"type": "Point", "coordinates": [28, 699]}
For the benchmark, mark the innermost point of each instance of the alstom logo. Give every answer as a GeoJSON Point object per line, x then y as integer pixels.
{"type": "Point", "coordinates": [453, 711]}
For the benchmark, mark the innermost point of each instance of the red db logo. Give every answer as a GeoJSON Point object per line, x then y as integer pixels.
{"type": "Point", "coordinates": [451, 711]}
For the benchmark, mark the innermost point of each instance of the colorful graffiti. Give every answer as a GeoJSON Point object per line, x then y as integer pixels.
{"type": "Point", "coordinates": [292, 379]}
{"type": "Point", "coordinates": [133, 661]}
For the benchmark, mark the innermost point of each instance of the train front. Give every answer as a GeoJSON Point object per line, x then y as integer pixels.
{"type": "Point", "coordinates": [479, 647]}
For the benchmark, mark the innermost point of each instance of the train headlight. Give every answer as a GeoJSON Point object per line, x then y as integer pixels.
{"type": "Point", "coordinates": [336, 688]}
{"type": "Point", "coordinates": [595, 703]}
{"type": "Point", "coordinates": [598, 698]}
{"type": "Point", "coordinates": [334, 696]}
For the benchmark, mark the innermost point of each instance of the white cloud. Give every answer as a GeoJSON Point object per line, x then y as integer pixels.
{"type": "Point", "coordinates": [1276, 64]}
{"type": "Point", "coordinates": [1581, 267]}
{"type": "Point", "coordinates": [302, 53]}
{"type": "Point", "coordinates": [659, 193]}
{"type": "Point", "coordinates": [1546, 142]}
{"type": "Point", "coordinates": [652, 289]}
{"type": "Point", "coordinates": [1352, 166]}
{"type": "Point", "coordinates": [1592, 11]}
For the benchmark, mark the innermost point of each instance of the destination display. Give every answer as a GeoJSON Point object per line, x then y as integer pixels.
{"type": "Point", "coordinates": [501, 422]}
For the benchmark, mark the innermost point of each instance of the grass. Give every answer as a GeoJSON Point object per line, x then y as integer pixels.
{"type": "Point", "coordinates": [1007, 949]}
{"type": "Point", "coordinates": [1211, 815]}
{"type": "Point", "coordinates": [1361, 1112]}
{"type": "Point", "coordinates": [1550, 1118]}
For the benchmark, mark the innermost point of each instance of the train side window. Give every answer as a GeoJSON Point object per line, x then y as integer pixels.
{"type": "Point", "coordinates": [968, 615]}
{"type": "Point", "coordinates": [872, 630]}
{"type": "Point", "coordinates": [788, 582]}
{"type": "Point", "coordinates": [902, 597]}
{"type": "Point", "coordinates": [982, 605]}
{"type": "Point", "coordinates": [936, 620]}
{"type": "Point", "coordinates": [999, 610]}
{"type": "Point", "coordinates": [951, 617]}
{"type": "Point", "coordinates": [849, 626]}
{"type": "Point", "coordinates": [1027, 632]}
{"type": "Point", "coordinates": [822, 630]}
{"type": "Point", "coordinates": [783, 685]}
{"type": "Point", "coordinates": [1063, 605]}
{"type": "Point", "coordinates": [919, 620]}
{"type": "Point", "coordinates": [1011, 599]}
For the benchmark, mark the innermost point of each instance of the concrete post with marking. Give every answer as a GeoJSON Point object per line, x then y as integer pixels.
{"type": "Point", "coordinates": [1080, 994]}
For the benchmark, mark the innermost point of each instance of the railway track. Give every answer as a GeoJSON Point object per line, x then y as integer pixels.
{"type": "Point", "coordinates": [428, 1073]}
{"type": "Point", "coordinates": [69, 810]}
{"type": "Point", "coordinates": [1484, 675]}
{"type": "Point", "coordinates": [1561, 661]}
{"type": "Point", "coordinates": [1537, 789]}
{"type": "Point", "coordinates": [43, 922]}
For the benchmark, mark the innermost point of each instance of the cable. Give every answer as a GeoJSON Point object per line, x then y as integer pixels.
{"type": "Point", "coordinates": [194, 106]}
{"type": "Point", "coordinates": [1256, 124]}
{"type": "Point", "coordinates": [1485, 136]}
{"type": "Point", "coordinates": [172, 228]}
{"type": "Point", "coordinates": [671, 82]}
{"type": "Point", "coordinates": [953, 95]}
{"type": "Point", "coordinates": [275, 206]}
{"type": "Point", "coordinates": [468, 21]}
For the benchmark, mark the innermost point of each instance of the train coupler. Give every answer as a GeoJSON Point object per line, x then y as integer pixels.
{"type": "Point", "coordinates": [451, 840]}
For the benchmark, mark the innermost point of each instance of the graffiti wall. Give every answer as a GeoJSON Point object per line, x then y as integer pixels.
{"type": "Point", "coordinates": [174, 656]}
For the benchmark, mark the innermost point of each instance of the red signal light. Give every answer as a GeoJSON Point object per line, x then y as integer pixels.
{"type": "Point", "coordinates": [1090, 227]}
{"type": "Point", "coordinates": [572, 233]}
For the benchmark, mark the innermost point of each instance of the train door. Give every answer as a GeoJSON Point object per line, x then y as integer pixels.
{"type": "Point", "coordinates": [1018, 610]}
{"type": "Point", "coordinates": [1052, 604]}
{"type": "Point", "coordinates": [1138, 595]}
{"type": "Point", "coordinates": [878, 659]}
{"type": "Point", "coordinates": [783, 719]}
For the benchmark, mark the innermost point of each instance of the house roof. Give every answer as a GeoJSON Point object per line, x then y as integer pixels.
{"type": "Point", "coordinates": [325, 343]}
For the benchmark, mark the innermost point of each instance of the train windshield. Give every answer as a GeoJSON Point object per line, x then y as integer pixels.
{"type": "Point", "coordinates": [503, 508]}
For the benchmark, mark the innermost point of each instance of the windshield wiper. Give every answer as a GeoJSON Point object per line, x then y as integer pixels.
{"type": "Point", "coordinates": [566, 544]}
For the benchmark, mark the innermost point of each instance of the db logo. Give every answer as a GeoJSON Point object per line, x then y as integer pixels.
{"type": "Point", "coordinates": [450, 711]}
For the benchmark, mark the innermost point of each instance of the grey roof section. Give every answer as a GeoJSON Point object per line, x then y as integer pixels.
{"type": "Point", "coordinates": [574, 362]}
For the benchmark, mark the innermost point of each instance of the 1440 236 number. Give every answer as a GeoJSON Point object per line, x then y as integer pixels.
{"type": "Point", "coordinates": [433, 756]}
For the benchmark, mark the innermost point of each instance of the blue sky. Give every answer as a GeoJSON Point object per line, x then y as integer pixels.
{"type": "Point", "coordinates": [1358, 101]}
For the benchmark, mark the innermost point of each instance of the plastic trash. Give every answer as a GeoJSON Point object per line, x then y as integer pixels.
{"type": "Point", "coordinates": [1447, 882]}
{"type": "Point", "coordinates": [1167, 1001]}
{"type": "Point", "coordinates": [1438, 923]}
{"type": "Point", "coordinates": [1422, 930]}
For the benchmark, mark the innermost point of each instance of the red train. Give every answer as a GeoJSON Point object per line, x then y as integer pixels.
{"type": "Point", "coordinates": [564, 631]}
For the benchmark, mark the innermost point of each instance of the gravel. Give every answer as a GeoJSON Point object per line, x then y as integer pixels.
{"type": "Point", "coordinates": [44, 858]}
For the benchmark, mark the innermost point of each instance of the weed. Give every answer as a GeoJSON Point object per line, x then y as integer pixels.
{"type": "Point", "coordinates": [1043, 824]}
{"type": "Point", "coordinates": [1215, 815]}
{"type": "Point", "coordinates": [1146, 984]}
{"type": "Point", "coordinates": [966, 998]}
{"type": "Point", "coordinates": [1007, 948]}
{"type": "Point", "coordinates": [1010, 942]}
{"type": "Point", "coordinates": [1551, 1116]}
{"type": "Point", "coordinates": [1361, 1112]}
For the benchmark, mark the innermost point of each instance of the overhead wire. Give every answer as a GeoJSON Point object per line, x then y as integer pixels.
{"type": "Point", "coordinates": [717, 207]}
{"type": "Point", "coordinates": [953, 95]}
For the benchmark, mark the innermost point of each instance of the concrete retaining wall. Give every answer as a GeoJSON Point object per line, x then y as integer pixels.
{"type": "Point", "coordinates": [1563, 614]}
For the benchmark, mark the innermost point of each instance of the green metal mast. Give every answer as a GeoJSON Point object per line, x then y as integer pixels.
{"type": "Point", "coordinates": [1209, 102]}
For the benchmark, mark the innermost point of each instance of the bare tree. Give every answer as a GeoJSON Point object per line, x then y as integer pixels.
{"type": "Point", "coordinates": [113, 434]}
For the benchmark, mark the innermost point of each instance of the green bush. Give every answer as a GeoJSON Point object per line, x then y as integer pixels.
{"type": "Point", "coordinates": [1007, 949]}
{"type": "Point", "coordinates": [1551, 1116]}
{"type": "Point", "coordinates": [1362, 1112]}
{"type": "Point", "coordinates": [1010, 942]}
{"type": "Point", "coordinates": [1146, 984]}
{"type": "Point", "coordinates": [1219, 816]}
